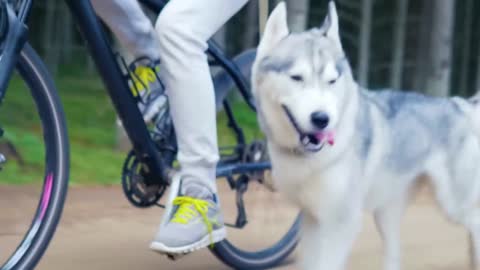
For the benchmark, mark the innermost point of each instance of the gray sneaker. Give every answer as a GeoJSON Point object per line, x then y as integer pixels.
{"type": "Point", "coordinates": [196, 222]}
{"type": "Point", "coordinates": [147, 87]}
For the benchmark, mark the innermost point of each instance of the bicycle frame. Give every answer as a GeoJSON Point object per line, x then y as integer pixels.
{"type": "Point", "coordinates": [115, 82]}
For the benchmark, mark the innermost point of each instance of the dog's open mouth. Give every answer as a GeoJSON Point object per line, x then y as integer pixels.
{"type": "Point", "coordinates": [311, 143]}
{"type": "Point", "coordinates": [314, 141]}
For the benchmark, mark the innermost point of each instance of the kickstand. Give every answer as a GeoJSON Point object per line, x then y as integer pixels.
{"type": "Point", "coordinates": [241, 188]}
{"type": "Point", "coordinates": [240, 185]}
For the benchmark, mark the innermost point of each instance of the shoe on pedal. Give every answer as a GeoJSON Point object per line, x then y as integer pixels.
{"type": "Point", "coordinates": [195, 222]}
{"type": "Point", "coordinates": [147, 87]}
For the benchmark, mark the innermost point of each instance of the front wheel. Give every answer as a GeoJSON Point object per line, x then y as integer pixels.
{"type": "Point", "coordinates": [35, 163]}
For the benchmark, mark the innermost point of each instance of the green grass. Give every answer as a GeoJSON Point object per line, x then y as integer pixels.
{"type": "Point", "coordinates": [91, 127]}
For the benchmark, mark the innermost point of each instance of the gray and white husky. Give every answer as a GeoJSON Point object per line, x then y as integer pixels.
{"type": "Point", "coordinates": [337, 149]}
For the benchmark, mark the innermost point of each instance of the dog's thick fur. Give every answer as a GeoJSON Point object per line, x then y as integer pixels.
{"type": "Point", "coordinates": [380, 143]}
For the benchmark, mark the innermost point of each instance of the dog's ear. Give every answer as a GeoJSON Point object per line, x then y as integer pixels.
{"type": "Point", "coordinates": [330, 26]}
{"type": "Point", "coordinates": [275, 29]}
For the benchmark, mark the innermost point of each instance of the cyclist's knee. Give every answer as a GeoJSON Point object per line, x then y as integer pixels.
{"type": "Point", "coordinates": [180, 35]}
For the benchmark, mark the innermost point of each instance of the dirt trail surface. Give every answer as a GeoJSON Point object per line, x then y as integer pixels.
{"type": "Point", "coordinates": [100, 230]}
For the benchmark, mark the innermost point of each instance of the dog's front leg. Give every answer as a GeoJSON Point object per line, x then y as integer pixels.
{"type": "Point", "coordinates": [387, 220]}
{"type": "Point", "coordinates": [326, 244]}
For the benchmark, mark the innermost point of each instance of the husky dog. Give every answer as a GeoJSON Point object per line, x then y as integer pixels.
{"type": "Point", "coordinates": [337, 149]}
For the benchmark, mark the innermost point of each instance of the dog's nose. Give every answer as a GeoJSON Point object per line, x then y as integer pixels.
{"type": "Point", "coordinates": [319, 119]}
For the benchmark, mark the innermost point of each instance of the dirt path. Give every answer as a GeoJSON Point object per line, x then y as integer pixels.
{"type": "Point", "coordinates": [100, 230]}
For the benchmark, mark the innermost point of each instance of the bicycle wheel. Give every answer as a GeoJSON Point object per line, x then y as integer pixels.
{"type": "Point", "coordinates": [271, 231]}
{"type": "Point", "coordinates": [34, 179]}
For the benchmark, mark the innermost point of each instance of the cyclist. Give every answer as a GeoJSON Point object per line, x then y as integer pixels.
{"type": "Point", "coordinates": [179, 41]}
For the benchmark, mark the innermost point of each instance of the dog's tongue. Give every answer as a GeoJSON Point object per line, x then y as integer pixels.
{"type": "Point", "coordinates": [329, 136]}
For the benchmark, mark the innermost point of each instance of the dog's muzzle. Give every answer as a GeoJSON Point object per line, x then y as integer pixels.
{"type": "Point", "coordinates": [311, 142]}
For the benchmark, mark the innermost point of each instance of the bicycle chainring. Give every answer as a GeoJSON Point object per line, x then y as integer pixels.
{"type": "Point", "coordinates": [134, 187]}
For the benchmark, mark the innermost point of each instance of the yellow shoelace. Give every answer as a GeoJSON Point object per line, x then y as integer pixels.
{"type": "Point", "coordinates": [143, 76]}
{"type": "Point", "coordinates": [186, 212]}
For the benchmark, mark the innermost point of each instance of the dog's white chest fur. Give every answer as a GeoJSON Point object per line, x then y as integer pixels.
{"type": "Point", "coordinates": [312, 187]}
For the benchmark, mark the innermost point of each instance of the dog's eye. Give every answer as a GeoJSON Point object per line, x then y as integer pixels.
{"type": "Point", "coordinates": [333, 81]}
{"type": "Point", "coordinates": [297, 78]}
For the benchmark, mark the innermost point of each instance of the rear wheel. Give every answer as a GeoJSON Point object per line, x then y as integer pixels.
{"type": "Point", "coordinates": [34, 178]}
{"type": "Point", "coordinates": [271, 226]}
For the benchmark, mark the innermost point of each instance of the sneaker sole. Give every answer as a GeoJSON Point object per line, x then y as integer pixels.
{"type": "Point", "coordinates": [217, 235]}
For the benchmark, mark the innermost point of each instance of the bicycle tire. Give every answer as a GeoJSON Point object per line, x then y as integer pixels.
{"type": "Point", "coordinates": [55, 185]}
{"type": "Point", "coordinates": [262, 259]}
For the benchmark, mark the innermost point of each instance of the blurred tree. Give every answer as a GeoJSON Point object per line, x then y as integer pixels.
{"type": "Point", "coordinates": [365, 36]}
{"type": "Point", "coordinates": [422, 39]}
{"type": "Point", "coordinates": [440, 62]}
{"type": "Point", "coordinates": [67, 33]}
{"type": "Point", "coordinates": [465, 54]}
{"type": "Point", "coordinates": [297, 14]}
{"type": "Point", "coordinates": [50, 37]}
{"type": "Point", "coordinates": [252, 27]}
{"type": "Point", "coordinates": [411, 44]}
{"type": "Point", "coordinates": [399, 44]}
{"type": "Point", "coordinates": [220, 37]}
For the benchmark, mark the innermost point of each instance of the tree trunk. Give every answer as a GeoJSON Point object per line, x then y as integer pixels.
{"type": "Point", "coordinates": [422, 54]}
{"type": "Point", "coordinates": [297, 14]}
{"type": "Point", "coordinates": [49, 45]}
{"type": "Point", "coordinates": [438, 78]}
{"type": "Point", "coordinates": [221, 37]}
{"type": "Point", "coordinates": [477, 82]}
{"type": "Point", "coordinates": [463, 87]}
{"type": "Point", "coordinates": [251, 31]}
{"type": "Point", "coordinates": [365, 33]}
{"type": "Point", "coordinates": [263, 12]}
{"type": "Point", "coordinates": [399, 44]}
{"type": "Point", "coordinates": [67, 28]}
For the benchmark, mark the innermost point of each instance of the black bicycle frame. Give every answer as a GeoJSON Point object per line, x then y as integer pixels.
{"type": "Point", "coordinates": [14, 32]}
{"type": "Point", "coordinates": [118, 89]}
{"type": "Point", "coordinates": [114, 80]}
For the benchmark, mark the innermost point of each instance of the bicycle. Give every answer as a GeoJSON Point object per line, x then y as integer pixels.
{"type": "Point", "coordinates": [149, 166]}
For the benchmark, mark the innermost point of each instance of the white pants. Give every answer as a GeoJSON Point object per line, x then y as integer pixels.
{"type": "Point", "coordinates": [182, 28]}
{"type": "Point", "coordinates": [130, 25]}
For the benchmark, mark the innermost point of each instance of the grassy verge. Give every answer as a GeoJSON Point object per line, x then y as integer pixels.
{"type": "Point", "coordinates": [91, 127]}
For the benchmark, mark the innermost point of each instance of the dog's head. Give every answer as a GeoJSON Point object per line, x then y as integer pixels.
{"type": "Point", "coordinates": [300, 82]}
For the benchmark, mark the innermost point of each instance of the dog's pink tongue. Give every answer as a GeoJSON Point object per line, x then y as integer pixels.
{"type": "Point", "coordinates": [329, 136]}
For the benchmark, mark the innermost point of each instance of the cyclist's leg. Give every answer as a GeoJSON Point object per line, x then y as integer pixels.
{"type": "Point", "coordinates": [135, 32]}
{"type": "Point", "coordinates": [183, 28]}
{"type": "Point", "coordinates": [130, 25]}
